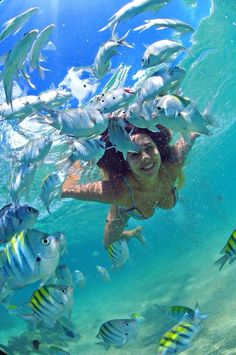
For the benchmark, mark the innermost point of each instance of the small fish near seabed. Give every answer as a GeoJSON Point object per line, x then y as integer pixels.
{"type": "Point", "coordinates": [15, 218]}
{"type": "Point", "coordinates": [102, 271]}
{"type": "Point", "coordinates": [30, 256]}
{"type": "Point", "coordinates": [178, 312]}
{"type": "Point", "coordinates": [178, 338]}
{"type": "Point", "coordinates": [117, 332]}
{"type": "Point", "coordinates": [79, 278]}
{"type": "Point", "coordinates": [47, 304]}
{"type": "Point", "coordinates": [229, 251]}
{"type": "Point", "coordinates": [118, 253]}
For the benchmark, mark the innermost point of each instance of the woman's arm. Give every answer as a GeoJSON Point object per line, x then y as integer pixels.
{"type": "Point", "coordinates": [99, 191]}
{"type": "Point", "coordinates": [182, 148]}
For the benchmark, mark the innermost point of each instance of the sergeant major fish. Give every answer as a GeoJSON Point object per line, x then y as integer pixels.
{"type": "Point", "coordinates": [12, 26]}
{"type": "Point", "coordinates": [160, 52]}
{"type": "Point", "coordinates": [28, 257]}
{"type": "Point", "coordinates": [15, 218]}
{"type": "Point", "coordinates": [118, 252]}
{"type": "Point", "coordinates": [117, 332]}
{"type": "Point", "coordinates": [87, 149]}
{"type": "Point", "coordinates": [178, 312]}
{"type": "Point", "coordinates": [229, 251]}
{"type": "Point", "coordinates": [132, 9]}
{"type": "Point", "coordinates": [178, 338]}
{"type": "Point", "coordinates": [49, 303]}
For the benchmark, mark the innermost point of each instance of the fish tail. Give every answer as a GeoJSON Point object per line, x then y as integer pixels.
{"type": "Point", "coordinates": [221, 262]}
{"type": "Point", "coordinates": [122, 41]}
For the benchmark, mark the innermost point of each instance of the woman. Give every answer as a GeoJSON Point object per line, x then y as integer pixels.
{"type": "Point", "coordinates": [137, 186]}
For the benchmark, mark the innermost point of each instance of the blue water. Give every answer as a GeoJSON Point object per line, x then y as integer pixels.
{"type": "Point", "coordinates": [176, 265]}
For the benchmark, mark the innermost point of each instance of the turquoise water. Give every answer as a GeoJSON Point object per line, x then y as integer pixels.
{"type": "Point", "coordinates": [176, 265]}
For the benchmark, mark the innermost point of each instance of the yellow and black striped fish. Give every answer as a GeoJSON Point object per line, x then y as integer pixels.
{"type": "Point", "coordinates": [229, 251]}
{"type": "Point", "coordinates": [51, 302]}
{"type": "Point", "coordinates": [178, 338]}
{"type": "Point", "coordinates": [118, 253]}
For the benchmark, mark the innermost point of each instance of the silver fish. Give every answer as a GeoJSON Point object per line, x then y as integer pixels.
{"type": "Point", "coordinates": [133, 8]}
{"type": "Point", "coordinates": [117, 332]}
{"type": "Point", "coordinates": [78, 122]}
{"type": "Point", "coordinates": [120, 138]}
{"type": "Point", "coordinates": [102, 63]}
{"type": "Point", "coordinates": [63, 276]}
{"type": "Point", "coordinates": [12, 26]}
{"type": "Point", "coordinates": [39, 44]}
{"type": "Point", "coordinates": [21, 181]}
{"type": "Point", "coordinates": [103, 273]}
{"type": "Point", "coordinates": [51, 187]}
{"type": "Point", "coordinates": [25, 105]}
{"type": "Point", "coordinates": [15, 218]}
{"type": "Point", "coordinates": [118, 252]}
{"type": "Point", "coordinates": [87, 150]}
{"type": "Point", "coordinates": [35, 151]}
{"type": "Point", "coordinates": [49, 303]}
{"type": "Point", "coordinates": [28, 257]}
{"type": "Point", "coordinates": [180, 115]}
{"type": "Point", "coordinates": [163, 23]}
{"type": "Point", "coordinates": [15, 62]}
{"type": "Point", "coordinates": [114, 100]}
{"type": "Point", "coordinates": [79, 278]}
{"type": "Point", "coordinates": [140, 114]}
{"type": "Point", "coordinates": [160, 52]}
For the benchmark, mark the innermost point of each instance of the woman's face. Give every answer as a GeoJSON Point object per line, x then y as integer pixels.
{"type": "Point", "coordinates": [147, 162]}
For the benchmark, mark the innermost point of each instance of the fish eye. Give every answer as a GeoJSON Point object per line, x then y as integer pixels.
{"type": "Point", "coordinates": [126, 323]}
{"type": "Point", "coordinates": [130, 112]}
{"type": "Point", "coordinates": [114, 98]}
{"type": "Point", "coordinates": [159, 108]}
{"type": "Point", "coordinates": [63, 290]}
{"type": "Point", "coordinates": [103, 100]}
{"type": "Point", "coordinates": [29, 209]}
{"type": "Point", "coordinates": [45, 241]}
{"type": "Point", "coordinates": [102, 94]}
{"type": "Point", "coordinates": [142, 60]}
{"type": "Point", "coordinates": [85, 85]}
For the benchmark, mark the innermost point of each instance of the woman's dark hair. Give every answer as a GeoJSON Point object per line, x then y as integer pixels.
{"type": "Point", "coordinates": [113, 161]}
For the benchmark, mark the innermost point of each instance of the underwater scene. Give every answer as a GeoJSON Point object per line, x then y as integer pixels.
{"type": "Point", "coordinates": [117, 181]}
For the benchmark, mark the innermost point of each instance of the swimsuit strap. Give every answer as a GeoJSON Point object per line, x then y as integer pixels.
{"type": "Point", "coordinates": [130, 191]}
{"type": "Point", "coordinates": [173, 187]}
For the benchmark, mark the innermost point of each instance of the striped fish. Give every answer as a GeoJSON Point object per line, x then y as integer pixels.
{"type": "Point", "coordinates": [15, 218]}
{"type": "Point", "coordinates": [51, 187]}
{"type": "Point", "coordinates": [178, 338]}
{"type": "Point", "coordinates": [28, 257]}
{"type": "Point", "coordinates": [35, 151]}
{"type": "Point", "coordinates": [118, 253]}
{"type": "Point", "coordinates": [117, 332]}
{"type": "Point", "coordinates": [229, 251]}
{"type": "Point", "coordinates": [21, 180]}
{"type": "Point", "coordinates": [178, 312]}
{"type": "Point", "coordinates": [50, 303]}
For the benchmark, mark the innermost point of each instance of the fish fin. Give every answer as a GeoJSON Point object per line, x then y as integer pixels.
{"type": "Point", "coordinates": [186, 137]}
{"type": "Point", "coordinates": [41, 72]}
{"type": "Point", "coordinates": [106, 346]}
{"type": "Point", "coordinates": [3, 59]}
{"type": "Point", "coordinates": [2, 280]}
{"type": "Point", "coordinates": [196, 305]}
{"type": "Point", "coordinates": [154, 129]}
{"type": "Point", "coordinates": [198, 316]}
{"type": "Point", "coordinates": [50, 46]}
{"type": "Point", "coordinates": [221, 262]}
{"type": "Point", "coordinates": [232, 259]}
